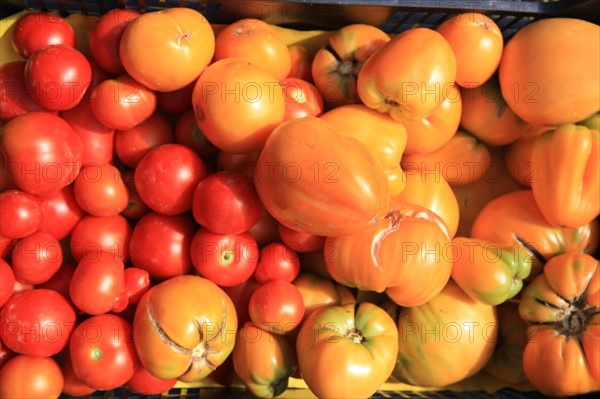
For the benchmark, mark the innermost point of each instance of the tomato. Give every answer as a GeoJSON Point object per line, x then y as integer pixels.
{"type": "Point", "coordinates": [135, 207]}
{"type": "Point", "coordinates": [61, 280]}
{"type": "Point", "coordinates": [177, 101]}
{"type": "Point", "coordinates": [237, 104]}
{"type": "Point", "coordinates": [31, 377]}
{"type": "Point", "coordinates": [276, 306]}
{"type": "Point", "coordinates": [100, 191]}
{"type": "Point", "coordinates": [277, 261]}
{"type": "Point", "coordinates": [347, 351]}
{"type": "Point", "coordinates": [5, 354]}
{"type": "Point", "coordinates": [6, 246]}
{"type": "Point", "coordinates": [37, 322]}
{"type": "Point", "coordinates": [402, 254]}
{"type": "Point", "coordinates": [538, 78]}
{"type": "Point", "coordinates": [36, 258]}
{"type": "Point", "coordinates": [103, 352]}
{"type": "Point", "coordinates": [477, 43]}
{"type": "Point", "coordinates": [567, 186]}
{"type": "Point", "coordinates": [410, 76]}
{"type": "Point", "coordinates": [302, 99]}
{"type": "Point", "coordinates": [431, 191]}
{"type": "Point", "coordinates": [240, 295]}
{"type": "Point", "coordinates": [35, 30]}
{"type": "Point", "coordinates": [265, 231]}
{"type": "Point", "coordinates": [387, 146]}
{"type": "Point", "coordinates": [488, 272]}
{"type": "Point", "coordinates": [7, 282]}
{"type": "Point", "coordinates": [43, 153]}
{"type": "Point", "coordinates": [431, 133]}
{"type": "Point", "coordinates": [318, 292]}
{"type": "Point", "coordinates": [167, 176]}
{"type": "Point", "coordinates": [518, 160]}
{"type": "Point", "coordinates": [335, 67]}
{"type": "Point", "coordinates": [462, 160]}
{"type": "Point", "coordinates": [167, 49]}
{"type": "Point", "coordinates": [73, 386]}
{"type": "Point", "coordinates": [189, 134]}
{"type": "Point", "coordinates": [226, 203]}
{"type": "Point", "coordinates": [244, 164]}
{"type": "Point", "coordinates": [256, 41]}
{"type": "Point", "coordinates": [105, 37]}
{"type": "Point", "coordinates": [301, 63]}
{"type": "Point", "coordinates": [93, 235]}
{"type": "Point", "coordinates": [137, 282]}
{"type": "Point", "coordinates": [61, 212]}
{"type": "Point", "coordinates": [15, 99]}
{"type": "Point", "coordinates": [122, 103]}
{"type": "Point", "coordinates": [97, 282]}
{"type": "Point", "coordinates": [132, 144]}
{"type": "Point", "coordinates": [299, 241]}
{"type": "Point", "coordinates": [97, 139]}
{"type": "Point", "coordinates": [263, 361]}
{"type": "Point", "coordinates": [561, 308]}
{"type": "Point", "coordinates": [145, 383]}
{"type": "Point", "coordinates": [20, 214]}
{"type": "Point", "coordinates": [160, 245]}
{"type": "Point", "coordinates": [432, 336]}
{"type": "Point", "coordinates": [191, 342]}
{"type": "Point", "coordinates": [225, 259]}
{"type": "Point", "coordinates": [58, 85]}
{"type": "Point", "coordinates": [307, 159]}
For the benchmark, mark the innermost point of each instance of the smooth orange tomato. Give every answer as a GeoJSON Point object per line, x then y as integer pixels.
{"type": "Point", "coordinates": [539, 79]}
{"type": "Point", "coordinates": [166, 50]}
{"type": "Point", "coordinates": [518, 160]}
{"type": "Point", "coordinates": [237, 104]}
{"type": "Point", "coordinates": [301, 63]}
{"type": "Point", "coordinates": [336, 66]}
{"type": "Point", "coordinates": [477, 43]}
{"type": "Point", "coordinates": [409, 76]}
{"type": "Point", "coordinates": [384, 137]}
{"type": "Point", "coordinates": [256, 41]}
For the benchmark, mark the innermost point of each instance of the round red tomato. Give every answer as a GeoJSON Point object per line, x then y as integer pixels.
{"type": "Point", "coordinates": [299, 241]}
{"type": "Point", "coordinates": [135, 206]}
{"type": "Point", "coordinates": [302, 99]}
{"type": "Point", "coordinates": [20, 214]}
{"type": "Point", "coordinates": [61, 212]}
{"type": "Point", "coordinates": [145, 383]}
{"type": "Point", "coordinates": [73, 385]}
{"type": "Point", "coordinates": [277, 261]}
{"type": "Point", "coordinates": [36, 258]}
{"type": "Point", "coordinates": [132, 144]}
{"type": "Point", "coordinates": [40, 29]}
{"type": "Point", "coordinates": [7, 282]}
{"type": "Point", "coordinates": [100, 190]}
{"type": "Point", "coordinates": [15, 99]}
{"type": "Point", "coordinates": [94, 234]}
{"type": "Point", "coordinates": [240, 295]}
{"type": "Point", "coordinates": [225, 259]}
{"type": "Point", "coordinates": [103, 352]}
{"type": "Point", "coordinates": [189, 134]}
{"type": "Point", "coordinates": [37, 322]}
{"type": "Point", "coordinates": [226, 203]}
{"type": "Point", "coordinates": [61, 280]}
{"type": "Point", "coordinates": [277, 306]}
{"type": "Point", "coordinates": [176, 101]}
{"type": "Point", "coordinates": [31, 377]}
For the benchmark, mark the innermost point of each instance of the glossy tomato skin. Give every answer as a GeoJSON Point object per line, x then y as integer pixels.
{"type": "Point", "coordinates": [37, 322]}
{"type": "Point", "coordinates": [132, 144]}
{"type": "Point", "coordinates": [226, 203]}
{"type": "Point", "coordinates": [40, 29]}
{"type": "Point", "coordinates": [265, 231]}
{"type": "Point", "coordinates": [100, 191]}
{"type": "Point", "coordinates": [225, 259]}
{"type": "Point", "coordinates": [188, 133]}
{"type": "Point", "coordinates": [93, 235]}
{"type": "Point", "coordinates": [167, 176]}
{"type": "Point", "coordinates": [61, 280]}
{"type": "Point", "coordinates": [21, 214]}
{"type": "Point", "coordinates": [277, 261]}
{"type": "Point", "coordinates": [361, 341]}
{"type": "Point", "coordinates": [15, 99]}
{"type": "Point", "coordinates": [61, 212]}
{"type": "Point", "coordinates": [73, 386]}
{"type": "Point", "coordinates": [42, 152]}
{"type": "Point", "coordinates": [7, 282]}
{"type": "Point", "coordinates": [36, 258]}
{"type": "Point", "coordinates": [190, 343]}
{"type": "Point", "coordinates": [183, 39]}
{"type": "Point", "coordinates": [58, 85]}
{"type": "Point", "coordinates": [276, 306]}
{"type": "Point", "coordinates": [31, 377]}
{"type": "Point", "coordinates": [103, 352]}
{"type": "Point", "coordinates": [299, 241]}
{"type": "Point", "coordinates": [145, 383]}
{"type": "Point", "coordinates": [302, 98]}
{"type": "Point", "coordinates": [178, 101]}
{"type": "Point", "coordinates": [160, 245]}
{"type": "Point", "coordinates": [240, 295]}
{"type": "Point", "coordinates": [318, 292]}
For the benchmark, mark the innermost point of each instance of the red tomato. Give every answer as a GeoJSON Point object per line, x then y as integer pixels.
{"type": "Point", "coordinates": [177, 101]}
{"type": "Point", "coordinates": [132, 144]}
{"type": "Point", "coordinates": [160, 245]}
{"type": "Point", "coordinates": [167, 177]}
{"type": "Point", "coordinates": [5, 354]}
{"type": "Point", "coordinates": [302, 99]}
{"type": "Point", "coordinates": [122, 103]}
{"type": "Point", "coordinates": [61, 280]}
{"type": "Point", "coordinates": [137, 282]}
{"type": "Point", "coordinates": [36, 258]}
{"type": "Point", "coordinates": [31, 377]}
{"type": "Point", "coordinates": [6, 246]}
{"type": "Point", "coordinates": [61, 212]}
{"type": "Point", "coordinates": [97, 282]}
{"type": "Point", "coordinates": [7, 282]}
{"type": "Point", "coordinates": [73, 385]}
{"type": "Point", "coordinates": [40, 29]}
{"type": "Point", "coordinates": [20, 214]}
{"type": "Point", "coordinates": [100, 190]}
{"type": "Point", "coordinates": [135, 207]}
{"type": "Point", "coordinates": [94, 234]}
{"type": "Point", "coordinates": [240, 295]}
{"type": "Point", "coordinates": [301, 63]}
{"type": "Point", "coordinates": [103, 352]}
{"type": "Point", "coordinates": [277, 306]}
{"type": "Point", "coordinates": [37, 322]}
{"type": "Point", "coordinates": [145, 383]}
{"type": "Point", "coordinates": [15, 99]}
{"type": "Point", "coordinates": [189, 134]}
{"type": "Point", "coordinates": [226, 203]}
{"type": "Point", "coordinates": [58, 85]}
{"type": "Point", "coordinates": [299, 241]}
{"type": "Point", "coordinates": [265, 230]}
{"type": "Point", "coordinates": [225, 259]}
{"type": "Point", "coordinates": [106, 35]}
{"type": "Point", "coordinates": [277, 261]}
{"type": "Point", "coordinates": [42, 152]}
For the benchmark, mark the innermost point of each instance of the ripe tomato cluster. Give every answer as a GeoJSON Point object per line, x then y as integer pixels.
{"type": "Point", "coordinates": [182, 201]}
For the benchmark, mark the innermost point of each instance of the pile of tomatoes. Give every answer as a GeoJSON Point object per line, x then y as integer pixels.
{"type": "Point", "coordinates": [241, 202]}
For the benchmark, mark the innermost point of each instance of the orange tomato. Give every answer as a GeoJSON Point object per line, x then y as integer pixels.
{"type": "Point", "coordinates": [301, 63]}
{"type": "Point", "coordinates": [256, 41]}
{"type": "Point", "coordinates": [477, 43]}
{"type": "Point", "coordinates": [318, 292]}
{"type": "Point", "coordinates": [518, 160]}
